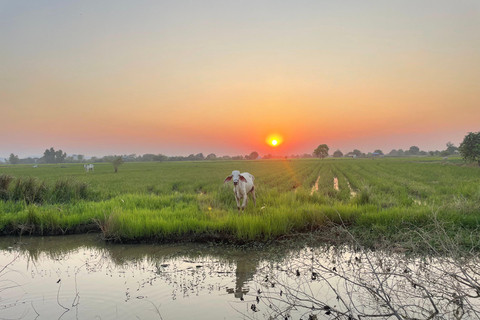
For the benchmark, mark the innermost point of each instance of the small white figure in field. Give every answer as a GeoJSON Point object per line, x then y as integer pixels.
{"type": "Point", "coordinates": [242, 186]}
{"type": "Point", "coordinates": [88, 167]}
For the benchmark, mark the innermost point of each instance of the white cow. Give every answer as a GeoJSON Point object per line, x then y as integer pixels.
{"type": "Point", "coordinates": [242, 186]}
{"type": "Point", "coordinates": [88, 167]}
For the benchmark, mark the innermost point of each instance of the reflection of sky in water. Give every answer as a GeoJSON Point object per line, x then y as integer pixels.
{"type": "Point", "coordinates": [81, 277]}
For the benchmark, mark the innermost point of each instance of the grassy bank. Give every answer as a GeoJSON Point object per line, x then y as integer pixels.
{"type": "Point", "coordinates": [377, 199]}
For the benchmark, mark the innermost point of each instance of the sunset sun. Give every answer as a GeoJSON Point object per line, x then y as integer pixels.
{"type": "Point", "coordinates": [274, 140]}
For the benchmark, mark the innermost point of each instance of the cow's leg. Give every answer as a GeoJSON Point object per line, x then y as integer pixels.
{"type": "Point", "coordinates": [245, 202]}
{"type": "Point", "coordinates": [253, 195]}
{"type": "Point", "coordinates": [238, 201]}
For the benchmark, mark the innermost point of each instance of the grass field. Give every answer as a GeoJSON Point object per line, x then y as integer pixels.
{"type": "Point", "coordinates": [376, 199]}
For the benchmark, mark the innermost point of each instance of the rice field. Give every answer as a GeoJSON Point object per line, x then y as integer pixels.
{"type": "Point", "coordinates": [165, 201]}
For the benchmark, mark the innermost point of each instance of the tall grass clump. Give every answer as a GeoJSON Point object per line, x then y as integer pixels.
{"type": "Point", "coordinates": [365, 195]}
{"type": "Point", "coordinates": [66, 190]}
{"type": "Point", "coordinates": [29, 190]}
{"type": "Point", "coordinates": [108, 224]}
{"type": "Point", "coordinates": [5, 181]}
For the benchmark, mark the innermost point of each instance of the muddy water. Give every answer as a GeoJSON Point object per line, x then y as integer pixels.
{"type": "Point", "coordinates": [81, 277]}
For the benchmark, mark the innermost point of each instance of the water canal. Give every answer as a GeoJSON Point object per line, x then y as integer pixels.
{"type": "Point", "coordinates": [82, 277]}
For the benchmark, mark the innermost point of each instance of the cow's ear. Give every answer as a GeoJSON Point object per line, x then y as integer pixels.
{"type": "Point", "coordinates": [227, 179]}
{"type": "Point", "coordinates": [243, 178]}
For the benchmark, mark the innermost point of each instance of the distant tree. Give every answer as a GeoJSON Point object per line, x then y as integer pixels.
{"type": "Point", "coordinates": [321, 151]}
{"type": "Point", "coordinates": [28, 160]}
{"type": "Point", "coordinates": [96, 159]}
{"type": "Point", "coordinates": [130, 158]}
{"type": "Point", "coordinates": [252, 156]}
{"type": "Point", "coordinates": [211, 156]}
{"type": "Point", "coordinates": [444, 153]}
{"type": "Point", "coordinates": [117, 162]}
{"type": "Point", "coordinates": [470, 147]}
{"type": "Point", "coordinates": [52, 156]}
{"type": "Point", "coordinates": [400, 152]}
{"type": "Point", "coordinates": [49, 155]}
{"type": "Point", "coordinates": [414, 150]}
{"type": "Point", "coordinates": [160, 157]}
{"type": "Point", "coordinates": [147, 157]}
{"type": "Point", "coordinates": [60, 156]}
{"type": "Point", "coordinates": [380, 152]}
{"type": "Point", "coordinates": [357, 152]}
{"type": "Point", "coordinates": [237, 158]}
{"type": "Point", "coordinates": [338, 154]}
{"type": "Point", "coordinates": [80, 157]}
{"type": "Point", "coordinates": [199, 156]}
{"type": "Point", "coordinates": [13, 159]}
{"type": "Point", "coordinates": [393, 153]}
{"type": "Point", "coordinates": [451, 148]}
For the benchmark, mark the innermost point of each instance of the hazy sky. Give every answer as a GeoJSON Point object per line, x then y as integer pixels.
{"type": "Point", "coordinates": [180, 77]}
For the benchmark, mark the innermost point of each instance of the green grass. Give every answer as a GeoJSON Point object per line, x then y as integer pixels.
{"type": "Point", "coordinates": [188, 200]}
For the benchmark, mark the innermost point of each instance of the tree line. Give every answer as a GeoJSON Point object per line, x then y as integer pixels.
{"type": "Point", "coordinates": [322, 151]}
{"type": "Point", "coordinates": [469, 149]}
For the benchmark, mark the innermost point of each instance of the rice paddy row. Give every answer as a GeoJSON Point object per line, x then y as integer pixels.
{"type": "Point", "coordinates": [167, 201]}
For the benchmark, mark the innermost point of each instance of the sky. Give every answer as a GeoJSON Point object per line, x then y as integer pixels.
{"type": "Point", "coordinates": [219, 76]}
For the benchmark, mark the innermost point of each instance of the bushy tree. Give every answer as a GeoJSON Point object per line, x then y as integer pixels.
{"type": "Point", "coordinates": [357, 152]}
{"type": "Point", "coordinates": [13, 159]}
{"type": "Point", "coordinates": [450, 148]}
{"type": "Point", "coordinates": [211, 156]}
{"type": "Point", "coordinates": [393, 153]}
{"type": "Point", "coordinates": [60, 156]}
{"type": "Point", "coordinates": [117, 162]}
{"type": "Point", "coordinates": [49, 155]}
{"type": "Point", "coordinates": [470, 147]}
{"type": "Point", "coordinates": [414, 150]}
{"type": "Point", "coordinates": [252, 156]}
{"type": "Point", "coordinates": [321, 151]}
{"type": "Point", "coordinates": [338, 154]}
{"type": "Point", "coordinates": [52, 156]}
{"type": "Point", "coordinates": [380, 152]}
{"type": "Point", "coordinates": [160, 157]}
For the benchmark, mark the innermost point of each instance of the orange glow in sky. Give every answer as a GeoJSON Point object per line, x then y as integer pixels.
{"type": "Point", "coordinates": [180, 78]}
{"type": "Point", "coordinates": [274, 140]}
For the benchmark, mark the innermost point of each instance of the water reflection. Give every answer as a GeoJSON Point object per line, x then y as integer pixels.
{"type": "Point", "coordinates": [78, 277]}
{"type": "Point", "coordinates": [81, 277]}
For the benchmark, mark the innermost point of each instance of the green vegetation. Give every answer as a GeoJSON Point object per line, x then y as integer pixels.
{"type": "Point", "coordinates": [470, 147]}
{"type": "Point", "coordinates": [382, 199]}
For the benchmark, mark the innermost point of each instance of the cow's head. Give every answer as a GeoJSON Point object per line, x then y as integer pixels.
{"type": "Point", "coordinates": [235, 176]}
